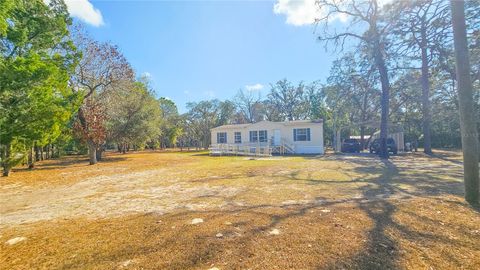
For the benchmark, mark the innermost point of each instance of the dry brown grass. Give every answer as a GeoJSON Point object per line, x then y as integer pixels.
{"type": "Point", "coordinates": [333, 212]}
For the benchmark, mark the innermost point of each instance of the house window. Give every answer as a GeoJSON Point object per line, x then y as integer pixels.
{"type": "Point", "coordinates": [262, 136]}
{"type": "Point", "coordinates": [301, 134]}
{"type": "Point", "coordinates": [221, 137]}
{"type": "Point", "coordinates": [238, 137]}
{"type": "Point", "coordinates": [258, 136]}
{"type": "Point", "coordinates": [254, 136]}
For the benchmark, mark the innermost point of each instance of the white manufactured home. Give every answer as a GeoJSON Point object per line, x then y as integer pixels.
{"type": "Point", "coordinates": [266, 138]}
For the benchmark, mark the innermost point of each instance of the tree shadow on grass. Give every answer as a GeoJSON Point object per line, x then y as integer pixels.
{"type": "Point", "coordinates": [448, 156]}
{"type": "Point", "coordinates": [379, 202]}
{"type": "Point", "coordinates": [416, 178]}
{"type": "Point", "coordinates": [112, 159]}
{"type": "Point", "coordinates": [380, 251]}
{"type": "Point", "coordinates": [200, 154]}
{"type": "Point", "coordinates": [68, 162]}
{"type": "Point", "coordinates": [196, 246]}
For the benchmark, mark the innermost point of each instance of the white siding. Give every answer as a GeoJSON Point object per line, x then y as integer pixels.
{"type": "Point", "coordinates": [314, 146]}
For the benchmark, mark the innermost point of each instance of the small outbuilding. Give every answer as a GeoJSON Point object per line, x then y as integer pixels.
{"type": "Point", "coordinates": [266, 138]}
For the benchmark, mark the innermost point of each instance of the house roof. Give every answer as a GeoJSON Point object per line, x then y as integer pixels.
{"type": "Point", "coordinates": [287, 123]}
{"type": "Point", "coordinates": [233, 126]}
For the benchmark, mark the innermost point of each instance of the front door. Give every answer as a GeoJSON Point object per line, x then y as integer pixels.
{"type": "Point", "coordinates": [276, 137]}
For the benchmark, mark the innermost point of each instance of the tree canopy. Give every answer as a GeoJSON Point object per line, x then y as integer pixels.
{"type": "Point", "coordinates": [37, 60]}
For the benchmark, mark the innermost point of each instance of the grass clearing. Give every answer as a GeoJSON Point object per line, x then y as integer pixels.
{"type": "Point", "coordinates": [330, 212]}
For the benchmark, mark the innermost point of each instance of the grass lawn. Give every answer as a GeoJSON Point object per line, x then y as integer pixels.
{"type": "Point", "coordinates": [135, 211]}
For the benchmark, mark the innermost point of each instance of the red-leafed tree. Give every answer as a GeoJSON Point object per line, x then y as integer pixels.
{"type": "Point", "coordinates": [97, 76]}
{"type": "Point", "coordinates": [90, 124]}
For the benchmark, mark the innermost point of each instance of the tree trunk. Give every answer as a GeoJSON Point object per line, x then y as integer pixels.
{"type": "Point", "coordinates": [56, 154]}
{"type": "Point", "coordinates": [99, 153]}
{"type": "Point", "coordinates": [92, 149]}
{"type": "Point", "coordinates": [37, 153]}
{"type": "Point", "coordinates": [362, 137]}
{"type": "Point", "coordinates": [385, 99]}
{"type": "Point", "coordinates": [465, 99]}
{"type": "Point", "coordinates": [427, 142]}
{"type": "Point", "coordinates": [6, 160]}
{"type": "Point", "coordinates": [92, 152]}
{"type": "Point", "coordinates": [31, 159]}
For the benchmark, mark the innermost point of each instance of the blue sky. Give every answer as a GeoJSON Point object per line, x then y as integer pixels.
{"type": "Point", "coordinates": [196, 50]}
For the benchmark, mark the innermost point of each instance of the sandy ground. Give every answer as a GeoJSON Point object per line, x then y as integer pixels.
{"type": "Point", "coordinates": [171, 187]}
{"type": "Point", "coordinates": [366, 197]}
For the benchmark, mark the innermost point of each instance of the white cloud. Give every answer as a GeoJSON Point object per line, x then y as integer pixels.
{"type": "Point", "coordinates": [304, 12]}
{"type": "Point", "coordinates": [85, 11]}
{"type": "Point", "coordinates": [298, 12]}
{"type": "Point", "coordinates": [254, 87]}
{"type": "Point", "coordinates": [146, 74]}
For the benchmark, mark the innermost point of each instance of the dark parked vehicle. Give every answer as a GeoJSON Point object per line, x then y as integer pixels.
{"type": "Point", "coordinates": [391, 146]}
{"type": "Point", "coordinates": [351, 145]}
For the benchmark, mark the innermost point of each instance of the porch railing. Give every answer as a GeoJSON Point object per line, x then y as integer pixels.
{"type": "Point", "coordinates": [253, 149]}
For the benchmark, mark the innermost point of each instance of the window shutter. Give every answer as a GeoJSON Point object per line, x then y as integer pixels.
{"type": "Point", "coordinates": [294, 134]}
{"type": "Point", "coordinates": [308, 134]}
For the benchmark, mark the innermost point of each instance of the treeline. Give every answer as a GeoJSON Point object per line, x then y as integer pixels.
{"type": "Point", "coordinates": [60, 90]}
{"type": "Point", "coordinates": [63, 92]}
{"type": "Point", "coordinates": [285, 101]}
{"type": "Point", "coordinates": [403, 61]}
{"type": "Point", "coordinates": [400, 69]}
